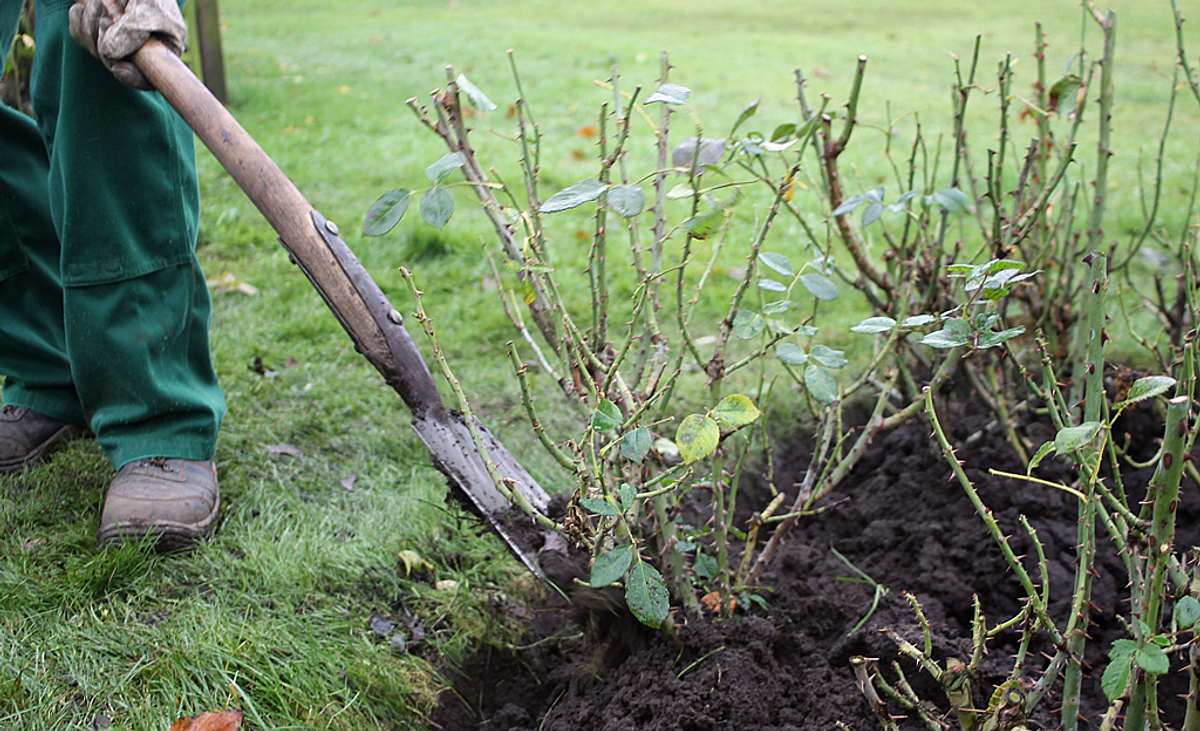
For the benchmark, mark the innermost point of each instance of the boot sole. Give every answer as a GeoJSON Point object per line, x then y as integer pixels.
{"type": "Point", "coordinates": [169, 537]}
{"type": "Point", "coordinates": [41, 451]}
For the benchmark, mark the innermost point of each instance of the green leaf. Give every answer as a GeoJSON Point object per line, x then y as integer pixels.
{"type": "Point", "coordinates": [828, 357]}
{"type": "Point", "coordinates": [646, 595]}
{"type": "Point", "coordinates": [872, 214]}
{"type": "Point", "coordinates": [735, 410]}
{"type": "Point", "coordinates": [1065, 89]}
{"type": "Point", "coordinates": [599, 506]}
{"type": "Point", "coordinates": [874, 325]}
{"type": "Point", "coordinates": [783, 131]}
{"type": "Point", "coordinates": [636, 444]}
{"type": "Point", "coordinates": [705, 566]}
{"type": "Point", "coordinates": [1043, 451]}
{"type": "Point", "coordinates": [992, 338]}
{"type": "Point", "coordinates": [917, 321]}
{"type": "Point", "coordinates": [574, 195]}
{"type": "Point", "coordinates": [849, 205]}
{"type": "Point", "coordinates": [669, 94]}
{"type": "Point", "coordinates": [697, 437]}
{"type": "Point", "coordinates": [666, 450]}
{"type": "Point", "coordinates": [747, 324]}
{"type": "Point", "coordinates": [791, 354]}
{"type": "Point", "coordinates": [1072, 438]}
{"type": "Point", "coordinates": [778, 307]}
{"type": "Point", "coordinates": [954, 333]}
{"type": "Point", "coordinates": [611, 566]}
{"type": "Point", "coordinates": [705, 224]}
{"type": "Point", "coordinates": [445, 165]}
{"type": "Point", "coordinates": [437, 205]}
{"type": "Point", "coordinates": [819, 285]}
{"type": "Point", "coordinates": [771, 285]}
{"type": "Point", "coordinates": [709, 153]}
{"type": "Point", "coordinates": [953, 200]}
{"type": "Point", "coordinates": [628, 495]}
{"type": "Point", "coordinates": [1122, 648]}
{"type": "Point", "coordinates": [1147, 388]}
{"type": "Point", "coordinates": [820, 383]}
{"type": "Point", "coordinates": [1187, 612]}
{"type": "Point", "coordinates": [477, 98]}
{"type": "Point", "coordinates": [627, 200]}
{"type": "Point", "coordinates": [747, 112]}
{"type": "Point", "coordinates": [386, 212]}
{"type": "Point", "coordinates": [1115, 677]}
{"type": "Point", "coordinates": [1153, 660]}
{"type": "Point", "coordinates": [746, 598]}
{"type": "Point", "coordinates": [777, 263]}
{"type": "Point", "coordinates": [607, 416]}
{"type": "Point", "coordinates": [681, 191]}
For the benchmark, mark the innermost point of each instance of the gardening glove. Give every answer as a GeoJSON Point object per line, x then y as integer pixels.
{"type": "Point", "coordinates": [114, 39]}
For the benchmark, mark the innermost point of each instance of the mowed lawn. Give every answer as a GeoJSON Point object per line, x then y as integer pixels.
{"type": "Point", "coordinates": [274, 615]}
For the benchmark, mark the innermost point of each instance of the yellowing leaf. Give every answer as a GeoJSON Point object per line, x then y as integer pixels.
{"type": "Point", "coordinates": [697, 437]}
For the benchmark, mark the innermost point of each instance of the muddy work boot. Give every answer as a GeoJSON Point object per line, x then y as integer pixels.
{"type": "Point", "coordinates": [175, 501]}
{"type": "Point", "coordinates": [27, 436]}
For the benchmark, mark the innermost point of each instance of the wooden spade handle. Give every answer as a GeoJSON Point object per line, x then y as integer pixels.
{"type": "Point", "coordinates": [313, 242]}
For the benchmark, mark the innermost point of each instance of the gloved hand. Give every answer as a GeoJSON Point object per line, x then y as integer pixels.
{"type": "Point", "coordinates": [114, 39]}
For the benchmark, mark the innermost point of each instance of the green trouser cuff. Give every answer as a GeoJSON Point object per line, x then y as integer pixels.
{"type": "Point", "coordinates": [104, 312]}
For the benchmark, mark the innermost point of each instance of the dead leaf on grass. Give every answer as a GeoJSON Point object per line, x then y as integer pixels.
{"type": "Point", "coordinates": [349, 481]}
{"type": "Point", "coordinates": [415, 563]}
{"type": "Point", "coordinates": [284, 450]}
{"type": "Point", "coordinates": [382, 626]}
{"type": "Point", "coordinates": [230, 283]}
{"type": "Point", "coordinates": [258, 366]}
{"type": "Point", "coordinates": [214, 721]}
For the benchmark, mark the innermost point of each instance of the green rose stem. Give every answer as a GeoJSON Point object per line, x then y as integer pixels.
{"type": "Point", "coordinates": [1163, 494]}
{"type": "Point", "coordinates": [516, 497]}
{"type": "Point", "coordinates": [989, 520]}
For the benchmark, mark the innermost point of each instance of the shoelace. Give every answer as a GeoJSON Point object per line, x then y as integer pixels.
{"type": "Point", "coordinates": [157, 462]}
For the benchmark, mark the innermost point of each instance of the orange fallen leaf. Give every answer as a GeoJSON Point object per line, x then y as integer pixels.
{"type": "Point", "coordinates": [712, 602]}
{"type": "Point", "coordinates": [587, 131]}
{"type": "Point", "coordinates": [216, 721]}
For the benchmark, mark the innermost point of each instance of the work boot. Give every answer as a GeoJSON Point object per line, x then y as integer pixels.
{"type": "Point", "coordinates": [174, 500]}
{"type": "Point", "coordinates": [27, 436]}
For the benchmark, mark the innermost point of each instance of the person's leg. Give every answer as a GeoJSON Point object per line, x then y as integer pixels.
{"type": "Point", "coordinates": [123, 198]}
{"type": "Point", "coordinates": [33, 349]}
{"type": "Point", "coordinates": [40, 407]}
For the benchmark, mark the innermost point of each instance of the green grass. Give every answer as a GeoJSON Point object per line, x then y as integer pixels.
{"type": "Point", "coordinates": [272, 616]}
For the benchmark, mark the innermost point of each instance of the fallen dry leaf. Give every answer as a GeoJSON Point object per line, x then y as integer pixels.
{"type": "Point", "coordinates": [712, 602]}
{"type": "Point", "coordinates": [229, 283]}
{"type": "Point", "coordinates": [348, 482]}
{"type": "Point", "coordinates": [382, 626]}
{"type": "Point", "coordinates": [216, 721]}
{"type": "Point", "coordinates": [414, 563]}
{"type": "Point", "coordinates": [284, 450]}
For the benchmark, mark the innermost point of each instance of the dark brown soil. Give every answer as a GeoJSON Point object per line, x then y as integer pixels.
{"type": "Point", "coordinates": [899, 518]}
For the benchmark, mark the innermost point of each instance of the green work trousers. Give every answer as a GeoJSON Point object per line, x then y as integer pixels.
{"type": "Point", "coordinates": [104, 312]}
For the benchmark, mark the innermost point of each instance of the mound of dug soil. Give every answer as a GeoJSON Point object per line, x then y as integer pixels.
{"type": "Point", "coordinates": [900, 519]}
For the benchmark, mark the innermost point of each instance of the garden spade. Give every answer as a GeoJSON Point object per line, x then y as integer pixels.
{"type": "Point", "coordinates": [376, 328]}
